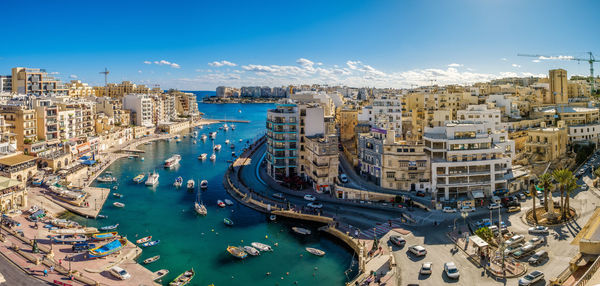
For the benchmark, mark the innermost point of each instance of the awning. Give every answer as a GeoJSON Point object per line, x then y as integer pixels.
{"type": "Point", "coordinates": [89, 162]}
{"type": "Point", "coordinates": [84, 158]}
{"type": "Point", "coordinates": [478, 241]}
{"type": "Point", "coordinates": [478, 194]}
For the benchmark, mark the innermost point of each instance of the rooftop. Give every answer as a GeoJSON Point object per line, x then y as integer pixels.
{"type": "Point", "coordinates": [16, 159]}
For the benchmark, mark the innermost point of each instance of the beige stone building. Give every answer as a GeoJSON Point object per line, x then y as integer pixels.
{"type": "Point", "coordinates": [322, 161]}
{"type": "Point", "coordinates": [547, 143]}
{"type": "Point", "coordinates": [18, 167]}
{"type": "Point", "coordinates": [558, 86]}
{"type": "Point", "coordinates": [22, 122]}
{"type": "Point", "coordinates": [76, 88]}
{"type": "Point", "coordinates": [36, 82]}
{"type": "Point", "coordinates": [12, 195]}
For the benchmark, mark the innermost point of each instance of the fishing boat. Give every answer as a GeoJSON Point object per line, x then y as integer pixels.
{"type": "Point", "coordinates": [237, 252]}
{"type": "Point", "coordinates": [227, 141]}
{"type": "Point", "coordinates": [228, 202]}
{"type": "Point", "coordinates": [64, 223]}
{"type": "Point", "coordinates": [117, 195]}
{"type": "Point", "coordinates": [300, 230]}
{"type": "Point", "coordinates": [108, 248]}
{"type": "Point", "coordinates": [213, 157]}
{"type": "Point", "coordinates": [203, 137]}
{"type": "Point", "coordinates": [200, 208]}
{"type": "Point", "coordinates": [104, 235]}
{"type": "Point", "coordinates": [221, 203]}
{"type": "Point", "coordinates": [160, 274]}
{"type": "Point", "coordinates": [107, 178]}
{"type": "Point", "coordinates": [110, 227]}
{"type": "Point", "coordinates": [151, 243]}
{"type": "Point", "coordinates": [315, 251]}
{"type": "Point", "coordinates": [251, 250]}
{"type": "Point", "coordinates": [172, 161]}
{"type": "Point", "coordinates": [144, 239]}
{"type": "Point", "coordinates": [190, 184]}
{"type": "Point", "coordinates": [273, 217]}
{"type": "Point", "coordinates": [152, 179]}
{"type": "Point", "coordinates": [183, 279]}
{"type": "Point", "coordinates": [101, 216]}
{"type": "Point", "coordinates": [70, 239]}
{"type": "Point", "coordinates": [151, 259]}
{"type": "Point", "coordinates": [261, 246]}
{"type": "Point", "coordinates": [139, 178]}
{"type": "Point", "coordinates": [204, 184]}
{"type": "Point", "coordinates": [218, 147]}
{"type": "Point", "coordinates": [202, 156]}
{"type": "Point", "coordinates": [178, 182]}
{"type": "Point", "coordinates": [228, 222]}
{"type": "Point", "coordinates": [119, 205]}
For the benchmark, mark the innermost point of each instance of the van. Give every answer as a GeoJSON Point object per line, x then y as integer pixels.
{"type": "Point", "coordinates": [538, 257]}
{"type": "Point", "coordinates": [120, 273]}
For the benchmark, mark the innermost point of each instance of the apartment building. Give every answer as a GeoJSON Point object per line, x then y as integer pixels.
{"type": "Point", "coordinates": [21, 121]}
{"type": "Point", "coordinates": [225, 91]}
{"type": "Point", "coordinates": [384, 112]}
{"type": "Point", "coordinates": [76, 88]}
{"type": "Point", "coordinates": [35, 82]}
{"type": "Point", "coordinates": [558, 86]}
{"type": "Point", "coordinates": [547, 143]}
{"type": "Point", "coordinates": [119, 90]}
{"type": "Point", "coordinates": [141, 108]}
{"type": "Point", "coordinates": [322, 161]}
{"type": "Point", "coordinates": [6, 83]}
{"type": "Point", "coordinates": [468, 160]}
{"type": "Point", "coordinates": [47, 122]}
{"type": "Point", "coordinates": [186, 104]}
{"type": "Point", "coordinates": [282, 141]}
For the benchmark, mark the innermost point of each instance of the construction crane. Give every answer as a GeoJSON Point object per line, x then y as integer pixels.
{"type": "Point", "coordinates": [105, 72]}
{"type": "Point", "coordinates": [591, 60]}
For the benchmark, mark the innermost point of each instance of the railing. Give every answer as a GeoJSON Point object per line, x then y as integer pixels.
{"type": "Point", "coordinates": [589, 273]}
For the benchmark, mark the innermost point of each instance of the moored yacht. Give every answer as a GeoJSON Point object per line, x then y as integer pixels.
{"type": "Point", "coordinates": [202, 156]}
{"type": "Point", "coordinates": [152, 179]}
{"type": "Point", "coordinates": [172, 161]}
{"type": "Point", "coordinates": [190, 184]}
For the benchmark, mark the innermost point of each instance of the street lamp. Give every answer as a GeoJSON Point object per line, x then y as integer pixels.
{"type": "Point", "coordinates": [464, 215]}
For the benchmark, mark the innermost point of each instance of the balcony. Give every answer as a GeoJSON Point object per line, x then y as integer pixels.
{"type": "Point", "coordinates": [320, 175]}
{"type": "Point", "coordinates": [320, 165]}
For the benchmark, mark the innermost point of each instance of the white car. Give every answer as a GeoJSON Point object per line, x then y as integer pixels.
{"type": "Point", "coordinates": [494, 206]}
{"type": "Point", "coordinates": [451, 270]}
{"type": "Point", "coordinates": [315, 205]}
{"type": "Point", "coordinates": [418, 250]}
{"type": "Point", "coordinates": [449, 210]}
{"type": "Point", "coordinates": [531, 278]}
{"type": "Point", "coordinates": [467, 209]}
{"type": "Point", "coordinates": [310, 198]}
{"type": "Point", "coordinates": [426, 268]}
{"type": "Point", "coordinates": [540, 229]}
{"type": "Point", "coordinates": [343, 178]}
{"type": "Point", "coordinates": [120, 273]}
{"type": "Point", "coordinates": [515, 239]}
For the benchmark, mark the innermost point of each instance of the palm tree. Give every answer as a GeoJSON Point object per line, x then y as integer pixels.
{"type": "Point", "coordinates": [569, 188]}
{"type": "Point", "coordinates": [597, 174]}
{"type": "Point", "coordinates": [562, 177]}
{"type": "Point", "coordinates": [533, 192]}
{"type": "Point", "coordinates": [546, 184]}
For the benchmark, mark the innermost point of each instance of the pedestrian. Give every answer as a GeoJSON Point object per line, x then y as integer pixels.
{"type": "Point", "coordinates": [45, 272]}
{"type": "Point", "coordinates": [51, 269]}
{"type": "Point", "coordinates": [380, 250]}
{"type": "Point", "coordinates": [60, 262]}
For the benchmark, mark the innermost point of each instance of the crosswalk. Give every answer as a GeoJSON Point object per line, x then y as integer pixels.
{"type": "Point", "coordinates": [378, 230]}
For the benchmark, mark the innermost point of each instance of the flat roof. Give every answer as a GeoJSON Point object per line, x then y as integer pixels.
{"type": "Point", "coordinates": [6, 183]}
{"type": "Point", "coordinates": [16, 159]}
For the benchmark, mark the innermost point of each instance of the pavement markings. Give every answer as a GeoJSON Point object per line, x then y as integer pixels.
{"type": "Point", "coordinates": [2, 280]}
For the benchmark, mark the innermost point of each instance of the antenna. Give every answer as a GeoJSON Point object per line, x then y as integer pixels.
{"type": "Point", "coordinates": [105, 72]}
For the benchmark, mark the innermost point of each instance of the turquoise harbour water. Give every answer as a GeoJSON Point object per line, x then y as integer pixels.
{"type": "Point", "coordinates": [189, 240]}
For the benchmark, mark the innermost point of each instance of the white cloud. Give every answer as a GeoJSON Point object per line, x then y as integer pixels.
{"type": "Point", "coordinates": [504, 59]}
{"type": "Point", "coordinates": [55, 73]}
{"type": "Point", "coordinates": [73, 76]}
{"type": "Point", "coordinates": [222, 63]}
{"type": "Point", "coordinates": [536, 61]}
{"type": "Point", "coordinates": [139, 71]}
{"type": "Point", "coordinates": [455, 65]}
{"type": "Point", "coordinates": [516, 66]}
{"type": "Point", "coordinates": [556, 58]}
{"type": "Point", "coordinates": [163, 62]}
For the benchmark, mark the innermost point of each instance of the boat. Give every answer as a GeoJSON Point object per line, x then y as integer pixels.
{"type": "Point", "coordinates": [85, 230]}
{"type": "Point", "coordinates": [144, 239]}
{"type": "Point", "coordinates": [273, 217]}
{"type": "Point", "coordinates": [106, 179]}
{"type": "Point", "coordinates": [172, 161]}
{"type": "Point", "coordinates": [218, 147]}
{"type": "Point", "coordinates": [190, 184]}
{"type": "Point", "coordinates": [195, 133]}
{"type": "Point", "coordinates": [204, 184]}
{"type": "Point", "coordinates": [237, 252]}
{"type": "Point", "coordinates": [203, 137]}
{"type": "Point", "coordinates": [300, 230]}
{"type": "Point", "coordinates": [160, 274]}
{"type": "Point", "coordinates": [241, 140]}
{"type": "Point", "coordinates": [232, 127]}
{"type": "Point", "coordinates": [101, 216]}
{"type": "Point", "coordinates": [104, 235]}
{"type": "Point", "coordinates": [233, 154]}
{"type": "Point", "coordinates": [178, 140]}
{"type": "Point", "coordinates": [64, 223]}
{"type": "Point", "coordinates": [151, 259]}
{"type": "Point", "coordinates": [194, 142]}
{"type": "Point", "coordinates": [139, 178]}
{"type": "Point", "coordinates": [152, 179]}
{"type": "Point", "coordinates": [183, 278]}
{"type": "Point", "coordinates": [142, 158]}
{"type": "Point", "coordinates": [151, 243]}
{"type": "Point", "coordinates": [213, 135]}
{"type": "Point", "coordinates": [200, 208]}
{"type": "Point", "coordinates": [108, 248]}
{"type": "Point", "coordinates": [227, 141]}
{"type": "Point", "coordinates": [228, 222]}
{"type": "Point", "coordinates": [213, 157]}
{"type": "Point", "coordinates": [202, 156]}
{"type": "Point", "coordinates": [261, 246]}
{"type": "Point", "coordinates": [228, 202]}
{"type": "Point", "coordinates": [221, 203]}
{"type": "Point", "coordinates": [115, 187]}
{"type": "Point", "coordinates": [117, 195]}
{"type": "Point", "coordinates": [315, 251]}
{"type": "Point", "coordinates": [119, 205]}
{"type": "Point", "coordinates": [178, 182]}
{"type": "Point", "coordinates": [70, 239]}
{"type": "Point", "coordinates": [110, 227]}
{"type": "Point", "coordinates": [232, 146]}
{"type": "Point", "coordinates": [251, 250]}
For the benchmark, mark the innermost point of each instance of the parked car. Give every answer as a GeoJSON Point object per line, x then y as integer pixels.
{"type": "Point", "coordinates": [451, 270]}
{"type": "Point", "coordinates": [314, 205]}
{"type": "Point", "coordinates": [538, 257]}
{"type": "Point", "coordinates": [449, 210]}
{"type": "Point", "coordinates": [494, 206]}
{"type": "Point", "coordinates": [512, 248]}
{"type": "Point", "coordinates": [531, 278]}
{"type": "Point", "coordinates": [483, 222]}
{"type": "Point", "coordinates": [515, 239]}
{"type": "Point", "coordinates": [120, 273]}
{"type": "Point", "coordinates": [310, 198]}
{"type": "Point", "coordinates": [398, 240]}
{"type": "Point", "coordinates": [343, 178]}
{"type": "Point", "coordinates": [514, 209]}
{"type": "Point", "coordinates": [540, 229]}
{"type": "Point", "coordinates": [524, 250]}
{"type": "Point", "coordinates": [426, 268]}
{"type": "Point", "coordinates": [522, 196]}
{"type": "Point", "coordinates": [417, 250]}
{"type": "Point", "coordinates": [536, 241]}
{"type": "Point", "coordinates": [467, 209]}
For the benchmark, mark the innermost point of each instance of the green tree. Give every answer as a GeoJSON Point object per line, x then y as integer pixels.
{"type": "Point", "coordinates": [562, 177]}
{"type": "Point", "coordinates": [569, 188]}
{"type": "Point", "coordinates": [485, 233]}
{"type": "Point", "coordinates": [546, 184]}
{"type": "Point", "coordinates": [533, 193]}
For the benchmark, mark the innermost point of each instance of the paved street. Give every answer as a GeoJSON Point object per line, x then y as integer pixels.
{"type": "Point", "coordinates": [11, 275]}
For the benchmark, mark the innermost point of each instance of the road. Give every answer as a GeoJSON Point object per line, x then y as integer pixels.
{"type": "Point", "coordinates": [11, 275]}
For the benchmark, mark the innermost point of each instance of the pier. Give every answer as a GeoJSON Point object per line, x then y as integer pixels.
{"type": "Point", "coordinates": [233, 120]}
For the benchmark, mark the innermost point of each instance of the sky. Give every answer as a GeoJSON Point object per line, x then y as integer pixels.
{"type": "Point", "coordinates": [199, 45]}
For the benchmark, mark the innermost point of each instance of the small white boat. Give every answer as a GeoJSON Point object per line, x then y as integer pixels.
{"type": "Point", "coordinates": [221, 203]}
{"type": "Point", "coordinates": [142, 158]}
{"type": "Point", "coordinates": [200, 208]}
{"type": "Point", "coordinates": [203, 137]}
{"type": "Point", "coordinates": [190, 184]}
{"type": "Point", "coordinates": [261, 246]}
{"type": "Point", "coordinates": [144, 239]}
{"type": "Point", "coordinates": [218, 147]}
{"type": "Point", "coordinates": [241, 140]}
{"type": "Point", "coordinates": [300, 230]}
{"type": "Point", "coordinates": [228, 202]}
{"type": "Point", "coordinates": [172, 161]}
{"type": "Point", "coordinates": [213, 157]}
{"type": "Point", "coordinates": [232, 127]}
{"type": "Point", "coordinates": [178, 182]}
{"type": "Point", "coordinates": [194, 141]}
{"type": "Point", "coordinates": [160, 274]}
{"type": "Point", "coordinates": [315, 251]}
{"type": "Point", "coordinates": [251, 250]}
{"type": "Point", "coordinates": [273, 217]}
{"type": "Point", "coordinates": [152, 179]}
{"type": "Point", "coordinates": [151, 259]}
{"type": "Point", "coordinates": [204, 184]}
{"type": "Point", "coordinates": [119, 205]}
{"type": "Point", "coordinates": [213, 135]}
{"type": "Point", "coordinates": [227, 141]}
{"type": "Point", "coordinates": [202, 156]}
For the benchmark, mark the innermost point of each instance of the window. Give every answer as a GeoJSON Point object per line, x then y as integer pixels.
{"type": "Point", "coordinates": [390, 175]}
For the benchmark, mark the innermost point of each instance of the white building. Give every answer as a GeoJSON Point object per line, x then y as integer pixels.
{"type": "Point", "coordinates": [141, 109]}
{"type": "Point", "coordinates": [581, 133]}
{"type": "Point", "coordinates": [385, 113]}
{"type": "Point", "coordinates": [505, 103]}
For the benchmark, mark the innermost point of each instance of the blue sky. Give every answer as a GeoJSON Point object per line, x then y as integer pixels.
{"type": "Point", "coordinates": [203, 44]}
